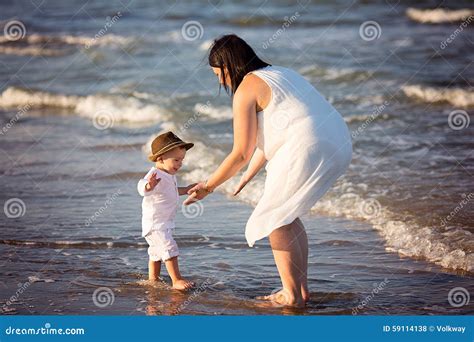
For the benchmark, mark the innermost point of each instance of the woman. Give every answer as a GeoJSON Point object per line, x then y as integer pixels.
{"type": "Point", "coordinates": [281, 118]}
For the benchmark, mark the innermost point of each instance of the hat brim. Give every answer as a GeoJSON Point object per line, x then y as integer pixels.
{"type": "Point", "coordinates": [153, 157]}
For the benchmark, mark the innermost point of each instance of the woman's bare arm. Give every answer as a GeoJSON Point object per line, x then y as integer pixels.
{"type": "Point", "coordinates": [256, 163]}
{"type": "Point", "coordinates": [245, 135]}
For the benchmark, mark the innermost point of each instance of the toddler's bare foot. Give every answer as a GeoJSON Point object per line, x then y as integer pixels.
{"type": "Point", "coordinates": [182, 284]}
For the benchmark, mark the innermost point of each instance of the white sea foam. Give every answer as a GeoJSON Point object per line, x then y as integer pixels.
{"type": "Point", "coordinates": [438, 15]}
{"type": "Point", "coordinates": [116, 108]}
{"type": "Point", "coordinates": [214, 112]}
{"type": "Point", "coordinates": [366, 117]}
{"type": "Point", "coordinates": [15, 97]}
{"type": "Point", "coordinates": [404, 237]}
{"type": "Point", "coordinates": [364, 100]}
{"type": "Point", "coordinates": [36, 279]}
{"type": "Point", "coordinates": [52, 45]}
{"type": "Point", "coordinates": [456, 96]}
{"type": "Point", "coordinates": [335, 74]}
{"type": "Point", "coordinates": [205, 45]}
{"type": "Point", "coordinates": [108, 39]}
{"type": "Point", "coordinates": [30, 51]}
{"type": "Point", "coordinates": [225, 112]}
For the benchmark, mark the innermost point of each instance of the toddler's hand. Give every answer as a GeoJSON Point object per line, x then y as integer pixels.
{"type": "Point", "coordinates": [152, 182]}
{"type": "Point", "coordinates": [190, 186]}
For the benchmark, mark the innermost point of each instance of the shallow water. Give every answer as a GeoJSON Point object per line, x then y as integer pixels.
{"type": "Point", "coordinates": [81, 232]}
{"type": "Point", "coordinates": [387, 218]}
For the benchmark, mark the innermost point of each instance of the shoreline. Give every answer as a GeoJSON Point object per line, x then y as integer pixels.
{"type": "Point", "coordinates": [340, 283]}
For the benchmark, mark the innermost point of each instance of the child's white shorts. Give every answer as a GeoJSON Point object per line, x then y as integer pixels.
{"type": "Point", "coordinates": [162, 244]}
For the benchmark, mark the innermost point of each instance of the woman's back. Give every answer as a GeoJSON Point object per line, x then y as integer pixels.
{"type": "Point", "coordinates": [297, 112]}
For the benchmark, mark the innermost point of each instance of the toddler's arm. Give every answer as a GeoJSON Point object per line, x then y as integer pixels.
{"type": "Point", "coordinates": [144, 185]}
{"type": "Point", "coordinates": [183, 190]}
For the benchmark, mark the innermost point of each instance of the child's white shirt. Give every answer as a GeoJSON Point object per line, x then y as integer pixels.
{"type": "Point", "coordinates": [160, 204]}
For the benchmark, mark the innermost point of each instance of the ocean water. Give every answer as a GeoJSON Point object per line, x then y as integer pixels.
{"type": "Point", "coordinates": [88, 86]}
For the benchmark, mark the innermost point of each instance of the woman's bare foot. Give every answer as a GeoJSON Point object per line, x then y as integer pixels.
{"type": "Point", "coordinates": [182, 284]}
{"type": "Point", "coordinates": [285, 298]}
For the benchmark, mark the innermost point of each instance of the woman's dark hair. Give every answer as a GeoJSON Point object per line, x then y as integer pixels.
{"type": "Point", "coordinates": [237, 56]}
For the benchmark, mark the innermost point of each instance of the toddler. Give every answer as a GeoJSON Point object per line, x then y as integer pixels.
{"type": "Point", "coordinates": [160, 201]}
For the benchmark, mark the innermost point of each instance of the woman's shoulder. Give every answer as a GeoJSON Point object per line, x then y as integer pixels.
{"type": "Point", "coordinates": [254, 78]}
{"type": "Point", "coordinates": [250, 86]}
{"type": "Point", "coordinates": [249, 83]}
{"type": "Point", "coordinates": [253, 90]}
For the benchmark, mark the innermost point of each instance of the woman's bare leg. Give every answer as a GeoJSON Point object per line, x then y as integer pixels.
{"type": "Point", "coordinates": [290, 264]}
{"type": "Point", "coordinates": [303, 241]}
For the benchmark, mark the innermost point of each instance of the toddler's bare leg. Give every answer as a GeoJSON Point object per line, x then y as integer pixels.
{"type": "Point", "coordinates": [154, 268]}
{"type": "Point", "coordinates": [173, 270]}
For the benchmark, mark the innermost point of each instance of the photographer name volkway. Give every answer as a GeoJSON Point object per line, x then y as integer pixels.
{"type": "Point", "coordinates": [449, 328]}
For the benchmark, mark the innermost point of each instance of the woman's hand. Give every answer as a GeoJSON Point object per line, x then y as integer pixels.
{"type": "Point", "coordinates": [243, 182]}
{"type": "Point", "coordinates": [196, 193]}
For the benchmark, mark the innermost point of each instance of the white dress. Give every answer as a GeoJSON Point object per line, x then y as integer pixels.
{"type": "Point", "coordinates": [308, 147]}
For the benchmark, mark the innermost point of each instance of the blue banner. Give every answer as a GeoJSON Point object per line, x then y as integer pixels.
{"type": "Point", "coordinates": [237, 328]}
